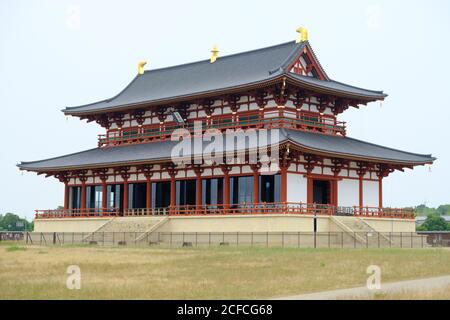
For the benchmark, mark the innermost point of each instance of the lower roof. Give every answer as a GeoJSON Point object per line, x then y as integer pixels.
{"type": "Point", "coordinates": [336, 146]}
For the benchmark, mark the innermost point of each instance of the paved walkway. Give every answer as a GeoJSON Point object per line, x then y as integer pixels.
{"type": "Point", "coordinates": [364, 293]}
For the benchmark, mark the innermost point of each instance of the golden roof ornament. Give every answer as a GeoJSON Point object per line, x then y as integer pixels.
{"type": "Point", "coordinates": [214, 54]}
{"type": "Point", "coordinates": [141, 65]}
{"type": "Point", "coordinates": [303, 34]}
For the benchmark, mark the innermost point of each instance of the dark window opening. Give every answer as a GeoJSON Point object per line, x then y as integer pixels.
{"type": "Point", "coordinates": [269, 188]}
{"type": "Point", "coordinates": [94, 197]}
{"type": "Point", "coordinates": [114, 196]}
{"type": "Point", "coordinates": [161, 194]}
{"type": "Point", "coordinates": [212, 191]}
{"type": "Point", "coordinates": [186, 192]}
{"type": "Point", "coordinates": [241, 190]}
{"type": "Point", "coordinates": [75, 198]}
{"type": "Point", "coordinates": [137, 195]}
{"type": "Point", "coordinates": [321, 191]}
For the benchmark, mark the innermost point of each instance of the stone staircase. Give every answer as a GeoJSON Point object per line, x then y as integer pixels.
{"type": "Point", "coordinates": [360, 230]}
{"type": "Point", "coordinates": [124, 230]}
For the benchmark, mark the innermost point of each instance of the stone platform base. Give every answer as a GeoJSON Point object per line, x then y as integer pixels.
{"type": "Point", "coordinates": [238, 223]}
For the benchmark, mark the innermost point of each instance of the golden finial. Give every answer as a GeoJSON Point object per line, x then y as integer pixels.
{"type": "Point", "coordinates": [303, 34]}
{"type": "Point", "coordinates": [214, 54]}
{"type": "Point", "coordinates": [141, 65]}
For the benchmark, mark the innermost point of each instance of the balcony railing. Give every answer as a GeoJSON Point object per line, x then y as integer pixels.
{"type": "Point", "coordinates": [235, 209]}
{"type": "Point", "coordinates": [148, 133]}
{"type": "Point", "coordinates": [77, 213]}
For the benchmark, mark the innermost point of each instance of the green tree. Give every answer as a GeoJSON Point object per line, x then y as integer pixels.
{"type": "Point", "coordinates": [12, 222]}
{"type": "Point", "coordinates": [443, 210]}
{"type": "Point", "coordinates": [423, 210]}
{"type": "Point", "coordinates": [434, 222]}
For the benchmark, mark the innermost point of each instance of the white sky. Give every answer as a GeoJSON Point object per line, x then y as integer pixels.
{"type": "Point", "coordinates": [64, 53]}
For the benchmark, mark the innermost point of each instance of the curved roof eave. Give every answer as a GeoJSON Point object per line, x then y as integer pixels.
{"type": "Point", "coordinates": [73, 110]}
{"type": "Point", "coordinates": [340, 88]}
{"type": "Point", "coordinates": [355, 157]}
{"type": "Point", "coordinates": [315, 143]}
{"type": "Point", "coordinates": [370, 96]}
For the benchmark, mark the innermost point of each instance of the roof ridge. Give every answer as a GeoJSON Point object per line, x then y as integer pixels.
{"type": "Point", "coordinates": [292, 55]}
{"type": "Point", "coordinates": [221, 57]}
{"type": "Point", "coordinates": [318, 61]}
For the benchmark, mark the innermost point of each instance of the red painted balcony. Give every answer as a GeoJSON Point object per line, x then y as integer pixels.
{"type": "Point", "coordinates": [297, 208]}
{"type": "Point", "coordinates": [312, 122]}
{"type": "Point", "coordinates": [77, 213]}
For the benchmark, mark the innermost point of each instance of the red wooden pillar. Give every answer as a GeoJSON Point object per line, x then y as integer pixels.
{"type": "Point", "coordinates": [226, 189]}
{"type": "Point", "coordinates": [104, 195]}
{"type": "Point", "coordinates": [361, 173]}
{"type": "Point", "coordinates": [83, 178]}
{"type": "Point", "coordinates": [380, 192]}
{"type": "Point", "coordinates": [173, 191]}
{"type": "Point", "coordinates": [66, 195]}
{"type": "Point", "coordinates": [310, 190]}
{"type": "Point", "coordinates": [283, 187]}
{"type": "Point", "coordinates": [148, 173]}
{"type": "Point", "coordinates": [123, 171]}
{"type": "Point", "coordinates": [336, 202]}
{"type": "Point", "coordinates": [255, 187]}
{"type": "Point", "coordinates": [198, 187]}
{"type": "Point", "coordinates": [361, 190]}
{"type": "Point", "coordinates": [333, 193]}
{"type": "Point", "coordinates": [226, 186]}
{"type": "Point", "coordinates": [173, 187]}
{"type": "Point", "coordinates": [83, 195]}
{"type": "Point", "coordinates": [125, 194]}
{"type": "Point", "coordinates": [199, 191]}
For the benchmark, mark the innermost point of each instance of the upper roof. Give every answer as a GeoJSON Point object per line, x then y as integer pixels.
{"type": "Point", "coordinates": [161, 151]}
{"type": "Point", "coordinates": [228, 73]}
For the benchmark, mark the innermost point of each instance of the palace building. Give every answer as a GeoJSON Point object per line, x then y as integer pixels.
{"type": "Point", "coordinates": [295, 162]}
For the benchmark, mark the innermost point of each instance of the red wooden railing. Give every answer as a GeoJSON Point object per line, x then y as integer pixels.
{"type": "Point", "coordinates": [235, 209]}
{"type": "Point", "coordinates": [77, 213]}
{"type": "Point", "coordinates": [148, 133]}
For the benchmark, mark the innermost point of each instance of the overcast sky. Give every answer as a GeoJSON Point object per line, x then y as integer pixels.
{"type": "Point", "coordinates": [65, 53]}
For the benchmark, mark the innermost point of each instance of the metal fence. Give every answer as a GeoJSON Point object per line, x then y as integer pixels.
{"type": "Point", "coordinates": [252, 239]}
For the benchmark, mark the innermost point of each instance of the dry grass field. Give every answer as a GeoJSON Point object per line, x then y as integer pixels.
{"type": "Point", "coordinates": [440, 294]}
{"type": "Point", "coordinates": [203, 273]}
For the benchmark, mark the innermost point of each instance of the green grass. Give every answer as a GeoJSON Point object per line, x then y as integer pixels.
{"type": "Point", "coordinates": [15, 248]}
{"type": "Point", "coordinates": [204, 273]}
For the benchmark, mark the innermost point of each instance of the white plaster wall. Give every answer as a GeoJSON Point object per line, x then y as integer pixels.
{"type": "Point", "coordinates": [348, 192]}
{"type": "Point", "coordinates": [370, 193]}
{"type": "Point", "coordinates": [297, 188]}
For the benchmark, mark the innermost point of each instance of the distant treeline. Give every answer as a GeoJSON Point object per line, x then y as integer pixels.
{"type": "Point", "coordinates": [442, 210]}
{"type": "Point", "coordinates": [12, 222]}
{"type": "Point", "coordinates": [434, 220]}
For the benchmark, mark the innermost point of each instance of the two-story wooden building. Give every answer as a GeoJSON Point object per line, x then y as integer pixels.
{"type": "Point", "coordinates": [281, 90]}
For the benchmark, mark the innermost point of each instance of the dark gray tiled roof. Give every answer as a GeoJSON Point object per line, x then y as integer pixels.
{"type": "Point", "coordinates": [334, 86]}
{"type": "Point", "coordinates": [228, 72]}
{"type": "Point", "coordinates": [353, 147]}
{"type": "Point", "coordinates": [158, 151]}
